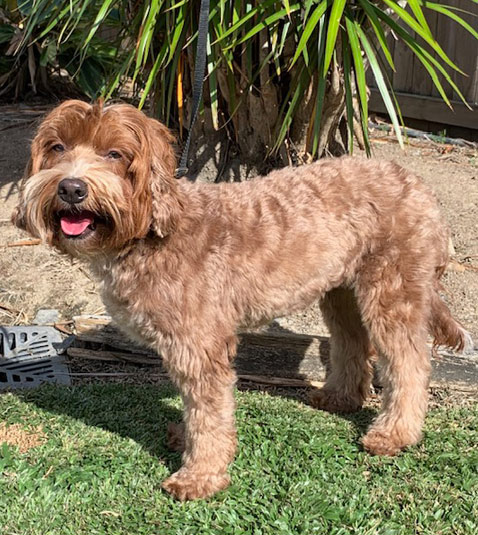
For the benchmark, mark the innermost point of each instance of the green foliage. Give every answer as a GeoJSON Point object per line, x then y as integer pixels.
{"type": "Point", "coordinates": [40, 39]}
{"type": "Point", "coordinates": [297, 471]}
{"type": "Point", "coordinates": [281, 53]}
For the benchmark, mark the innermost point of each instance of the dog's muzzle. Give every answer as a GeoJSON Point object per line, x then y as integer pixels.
{"type": "Point", "coordinates": [72, 190]}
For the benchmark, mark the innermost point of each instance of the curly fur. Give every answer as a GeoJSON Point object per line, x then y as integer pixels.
{"type": "Point", "coordinates": [182, 266]}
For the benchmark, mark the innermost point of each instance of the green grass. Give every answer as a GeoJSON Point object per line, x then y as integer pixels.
{"type": "Point", "coordinates": [297, 471]}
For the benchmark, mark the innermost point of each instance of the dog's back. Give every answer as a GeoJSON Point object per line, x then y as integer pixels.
{"type": "Point", "coordinates": [288, 232]}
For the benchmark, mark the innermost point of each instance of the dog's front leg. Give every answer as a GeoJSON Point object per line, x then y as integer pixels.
{"type": "Point", "coordinates": [206, 383]}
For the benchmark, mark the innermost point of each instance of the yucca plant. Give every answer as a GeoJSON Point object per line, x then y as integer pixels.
{"type": "Point", "coordinates": [283, 77]}
{"type": "Point", "coordinates": [35, 49]}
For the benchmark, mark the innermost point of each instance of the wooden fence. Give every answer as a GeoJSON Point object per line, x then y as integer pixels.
{"type": "Point", "coordinates": [417, 95]}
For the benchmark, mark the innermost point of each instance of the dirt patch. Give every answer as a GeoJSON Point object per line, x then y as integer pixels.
{"type": "Point", "coordinates": [18, 435]}
{"type": "Point", "coordinates": [34, 277]}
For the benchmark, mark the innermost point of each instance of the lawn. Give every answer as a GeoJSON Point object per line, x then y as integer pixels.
{"type": "Point", "coordinates": [103, 455]}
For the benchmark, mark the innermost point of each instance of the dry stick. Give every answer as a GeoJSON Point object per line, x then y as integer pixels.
{"type": "Point", "coordinates": [62, 327]}
{"type": "Point", "coordinates": [91, 321]}
{"type": "Point", "coordinates": [85, 273]}
{"type": "Point", "coordinates": [9, 308]}
{"type": "Point", "coordinates": [281, 381]}
{"type": "Point", "coordinates": [22, 243]}
{"type": "Point", "coordinates": [48, 472]}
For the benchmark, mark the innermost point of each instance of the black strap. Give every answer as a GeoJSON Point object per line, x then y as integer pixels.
{"type": "Point", "coordinates": [198, 83]}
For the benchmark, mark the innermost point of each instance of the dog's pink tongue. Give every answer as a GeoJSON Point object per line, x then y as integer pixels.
{"type": "Point", "coordinates": [75, 224]}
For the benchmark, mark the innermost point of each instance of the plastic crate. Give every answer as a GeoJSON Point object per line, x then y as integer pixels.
{"type": "Point", "coordinates": [30, 356]}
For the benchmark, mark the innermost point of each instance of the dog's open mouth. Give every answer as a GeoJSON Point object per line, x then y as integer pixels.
{"type": "Point", "coordinates": [77, 224]}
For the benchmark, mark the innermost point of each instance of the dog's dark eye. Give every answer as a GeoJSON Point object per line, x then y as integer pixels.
{"type": "Point", "coordinates": [114, 155]}
{"type": "Point", "coordinates": [58, 148]}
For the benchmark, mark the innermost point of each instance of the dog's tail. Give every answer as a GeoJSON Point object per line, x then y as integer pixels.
{"type": "Point", "coordinates": [445, 329]}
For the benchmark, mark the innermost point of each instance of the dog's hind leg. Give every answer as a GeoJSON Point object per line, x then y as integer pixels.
{"type": "Point", "coordinates": [206, 381]}
{"type": "Point", "coordinates": [350, 369]}
{"type": "Point", "coordinates": [394, 299]}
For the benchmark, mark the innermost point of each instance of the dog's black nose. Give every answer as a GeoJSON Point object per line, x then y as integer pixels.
{"type": "Point", "coordinates": [72, 190]}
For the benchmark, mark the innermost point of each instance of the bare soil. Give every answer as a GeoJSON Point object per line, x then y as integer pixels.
{"type": "Point", "coordinates": [35, 277]}
{"type": "Point", "coordinates": [20, 436]}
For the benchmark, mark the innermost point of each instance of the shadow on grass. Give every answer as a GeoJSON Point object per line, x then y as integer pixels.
{"type": "Point", "coordinates": [296, 364]}
{"type": "Point", "coordinates": [361, 420]}
{"type": "Point", "coordinates": [141, 413]}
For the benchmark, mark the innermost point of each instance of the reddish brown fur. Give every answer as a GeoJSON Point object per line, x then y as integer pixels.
{"type": "Point", "coordinates": [182, 266]}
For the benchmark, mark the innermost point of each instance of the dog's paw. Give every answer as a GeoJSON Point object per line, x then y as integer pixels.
{"type": "Point", "coordinates": [332, 401]}
{"type": "Point", "coordinates": [175, 436]}
{"type": "Point", "coordinates": [186, 485]}
{"type": "Point", "coordinates": [383, 443]}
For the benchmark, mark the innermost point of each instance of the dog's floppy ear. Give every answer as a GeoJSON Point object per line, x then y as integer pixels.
{"type": "Point", "coordinates": [167, 201]}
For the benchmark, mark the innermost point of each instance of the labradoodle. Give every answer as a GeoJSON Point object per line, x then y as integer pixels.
{"type": "Point", "coordinates": [182, 266]}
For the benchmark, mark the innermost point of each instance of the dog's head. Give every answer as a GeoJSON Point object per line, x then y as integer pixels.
{"type": "Point", "coordinates": [99, 178]}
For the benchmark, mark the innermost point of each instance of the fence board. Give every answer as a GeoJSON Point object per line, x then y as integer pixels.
{"type": "Point", "coordinates": [465, 54]}
{"type": "Point", "coordinates": [427, 108]}
{"type": "Point", "coordinates": [411, 78]}
{"type": "Point", "coordinates": [402, 79]}
{"type": "Point", "coordinates": [446, 35]}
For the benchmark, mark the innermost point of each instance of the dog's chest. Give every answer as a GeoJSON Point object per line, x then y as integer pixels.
{"type": "Point", "coordinates": [134, 306]}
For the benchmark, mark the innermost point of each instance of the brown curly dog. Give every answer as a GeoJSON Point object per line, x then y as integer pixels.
{"type": "Point", "coordinates": [182, 266]}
